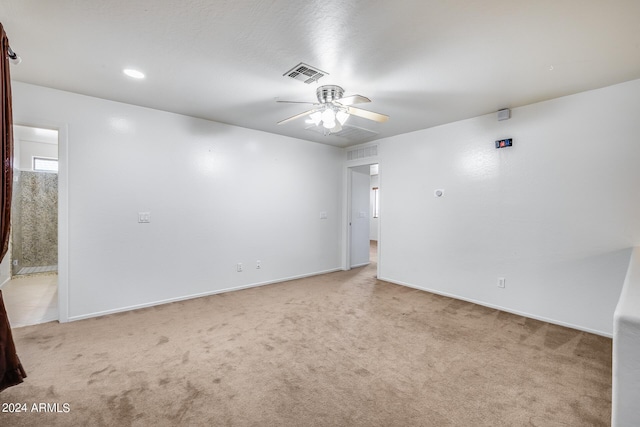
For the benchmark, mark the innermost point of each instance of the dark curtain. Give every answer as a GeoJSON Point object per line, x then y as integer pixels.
{"type": "Point", "coordinates": [11, 371]}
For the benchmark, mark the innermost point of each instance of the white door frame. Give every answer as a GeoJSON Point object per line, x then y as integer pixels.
{"type": "Point", "coordinates": [63, 213]}
{"type": "Point", "coordinates": [346, 231]}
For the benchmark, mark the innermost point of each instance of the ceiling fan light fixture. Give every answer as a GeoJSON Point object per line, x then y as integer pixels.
{"type": "Point", "coordinates": [329, 93]}
{"type": "Point", "coordinates": [342, 116]}
{"type": "Point", "coordinates": [328, 115]}
{"type": "Point", "coordinates": [329, 125]}
{"type": "Point", "coordinates": [315, 118]}
{"type": "Point", "coordinates": [337, 128]}
{"type": "Point", "coordinates": [332, 110]}
{"type": "Point", "coordinates": [329, 118]}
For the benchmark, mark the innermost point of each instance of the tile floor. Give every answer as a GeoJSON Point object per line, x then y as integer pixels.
{"type": "Point", "coordinates": [32, 299]}
{"type": "Point", "coordinates": [43, 269]}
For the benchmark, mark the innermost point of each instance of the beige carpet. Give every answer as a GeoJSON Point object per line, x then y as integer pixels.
{"type": "Point", "coordinates": [341, 349]}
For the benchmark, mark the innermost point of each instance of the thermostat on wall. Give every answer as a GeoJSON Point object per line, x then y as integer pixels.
{"type": "Point", "coordinates": [504, 143]}
{"type": "Point", "coordinates": [504, 114]}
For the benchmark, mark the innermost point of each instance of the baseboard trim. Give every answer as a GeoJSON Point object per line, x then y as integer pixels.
{"type": "Point", "coordinates": [360, 265]}
{"type": "Point", "coordinates": [497, 307]}
{"type": "Point", "coordinates": [198, 295]}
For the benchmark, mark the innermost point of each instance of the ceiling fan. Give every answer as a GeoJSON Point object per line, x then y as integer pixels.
{"type": "Point", "coordinates": [332, 110]}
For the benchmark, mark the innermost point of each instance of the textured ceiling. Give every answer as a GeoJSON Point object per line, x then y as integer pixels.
{"type": "Point", "coordinates": [423, 63]}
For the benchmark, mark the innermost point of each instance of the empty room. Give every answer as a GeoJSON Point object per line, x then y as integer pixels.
{"type": "Point", "coordinates": [338, 213]}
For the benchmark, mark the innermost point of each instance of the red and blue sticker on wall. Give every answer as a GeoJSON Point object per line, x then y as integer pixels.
{"type": "Point", "coordinates": [504, 143]}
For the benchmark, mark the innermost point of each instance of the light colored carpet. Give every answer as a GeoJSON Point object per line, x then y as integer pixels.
{"type": "Point", "coordinates": [342, 349]}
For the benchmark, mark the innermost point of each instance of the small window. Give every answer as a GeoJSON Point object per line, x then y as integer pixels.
{"type": "Point", "coordinates": [44, 164]}
{"type": "Point", "coordinates": [375, 202]}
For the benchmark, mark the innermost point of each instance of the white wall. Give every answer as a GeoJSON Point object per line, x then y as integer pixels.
{"type": "Point", "coordinates": [626, 347]}
{"type": "Point", "coordinates": [217, 195]}
{"type": "Point", "coordinates": [31, 149]}
{"type": "Point", "coordinates": [555, 214]}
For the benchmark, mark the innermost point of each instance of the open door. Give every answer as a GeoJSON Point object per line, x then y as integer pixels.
{"type": "Point", "coordinates": [31, 296]}
{"type": "Point", "coordinates": [360, 178]}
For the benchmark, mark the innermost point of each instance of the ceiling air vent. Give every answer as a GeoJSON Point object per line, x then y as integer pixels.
{"type": "Point", "coordinates": [305, 73]}
{"type": "Point", "coordinates": [362, 152]}
{"type": "Point", "coordinates": [351, 133]}
{"type": "Point", "coordinates": [356, 133]}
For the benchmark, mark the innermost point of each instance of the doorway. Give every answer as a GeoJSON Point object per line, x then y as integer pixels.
{"type": "Point", "coordinates": [362, 215]}
{"type": "Point", "coordinates": [31, 295]}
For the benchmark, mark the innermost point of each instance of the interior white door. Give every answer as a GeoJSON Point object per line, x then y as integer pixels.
{"type": "Point", "coordinates": [359, 216]}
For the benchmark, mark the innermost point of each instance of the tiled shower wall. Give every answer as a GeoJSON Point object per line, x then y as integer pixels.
{"type": "Point", "coordinates": [35, 219]}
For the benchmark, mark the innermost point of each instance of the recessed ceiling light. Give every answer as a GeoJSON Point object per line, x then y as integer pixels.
{"type": "Point", "coordinates": [133, 73]}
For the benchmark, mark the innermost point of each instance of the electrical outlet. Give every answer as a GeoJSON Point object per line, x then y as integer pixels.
{"type": "Point", "coordinates": [501, 281]}
{"type": "Point", "coordinates": [144, 217]}
{"type": "Point", "coordinates": [258, 264]}
{"type": "Point", "coordinates": [239, 267]}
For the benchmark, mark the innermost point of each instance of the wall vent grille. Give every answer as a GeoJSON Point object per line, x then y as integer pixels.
{"type": "Point", "coordinates": [362, 152]}
{"type": "Point", "coordinates": [305, 73]}
{"type": "Point", "coordinates": [355, 133]}
{"type": "Point", "coordinates": [348, 132]}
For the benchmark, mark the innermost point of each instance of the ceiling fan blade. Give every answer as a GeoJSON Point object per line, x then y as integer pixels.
{"type": "Point", "coordinates": [297, 102]}
{"type": "Point", "coordinates": [354, 99]}
{"type": "Point", "coordinates": [377, 117]}
{"type": "Point", "coordinates": [297, 116]}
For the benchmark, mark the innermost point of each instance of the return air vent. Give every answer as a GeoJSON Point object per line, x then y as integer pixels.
{"type": "Point", "coordinates": [356, 133]}
{"type": "Point", "coordinates": [305, 73]}
{"type": "Point", "coordinates": [362, 152]}
{"type": "Point", "coordinates": [352, 133]}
